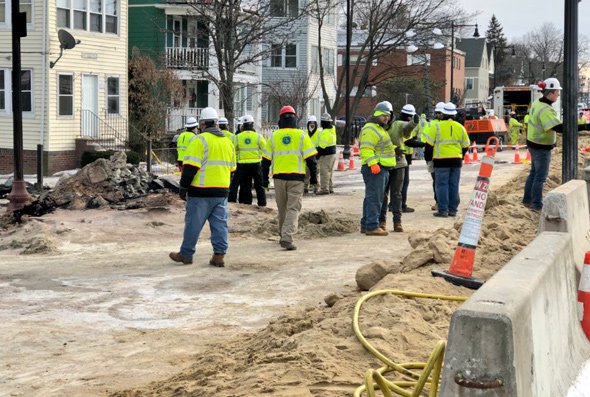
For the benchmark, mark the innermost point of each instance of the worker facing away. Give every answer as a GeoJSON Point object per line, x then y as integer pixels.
{"type": "Point", "coordinates": [208, 162]}
{"type": "Point", "coordinates": [326, 147]}
{"type": "Point", "coordinates": [377, 159]}
{"type": "Point", "coordinates": [446, 143]}
{"type": "Point", "coordinates": [289, 151]}
{"type": "Point", "coordinates": [182, 142]}
{"type": "Point", "coordinates": [313, 133]}
{"type": "Point", "coordinates": [224, 127]}
{"type": "Point", "coordinates": [249, 147]}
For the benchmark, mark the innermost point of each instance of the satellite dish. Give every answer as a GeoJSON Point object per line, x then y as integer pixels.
{"type": "Point", "coordinates": [67, 42]}
{"type": "Point", "coordinates": [66, 39]}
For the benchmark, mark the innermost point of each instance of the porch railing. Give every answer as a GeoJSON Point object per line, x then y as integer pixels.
{"type": "Point", "coordinates": [109, 132]}
{"type": "Point", "coordinates": [185, 57]}
{"type": "Point", "coordinates": [177, 117]}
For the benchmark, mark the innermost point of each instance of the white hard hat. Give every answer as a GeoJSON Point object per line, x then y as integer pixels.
{"type": "Point", "coordinates": [439, 107]}
{"type": "Point", "coordinates": [191, 122]}
{"type": "Point", "coordinates": [552, 84]}
{"type": "Point", "coordinates": [491, 112]}
{"type": "Point", "coordinates": [312, 119]}
{"type": "Point", "coordinates": [326, 117]}
{"type": "Point", "coordinates": [409, 109]}
{"type": "Point", "coordinates": [383, 107]}
{"type": "Point", "coordinates": [449, 109]}
{"type": "Point", "coordinates": [208, 114]}
{"type": "Point", "coordinates": [239, 121]}
{"type": "Point", "coordinates": [223, 120]}
{"type": "Point", "coordinates": [247, 119]}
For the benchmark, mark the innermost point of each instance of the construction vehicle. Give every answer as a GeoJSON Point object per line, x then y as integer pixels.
{"type": "Point", "coordinates": [479, 130]}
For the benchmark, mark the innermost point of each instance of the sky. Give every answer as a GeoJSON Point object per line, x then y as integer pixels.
{"type": "Point", "coordinates": [519, 17]}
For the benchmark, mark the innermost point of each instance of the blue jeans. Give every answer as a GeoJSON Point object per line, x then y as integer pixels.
{"type": "Point", "coordinates": [447, 189]}
{"type": "Point", "coordinates": [198, 211]}
{"type": "Point", "coordinates": [374, 192]}
{"type": "Point", "coordinates": [533, 188]}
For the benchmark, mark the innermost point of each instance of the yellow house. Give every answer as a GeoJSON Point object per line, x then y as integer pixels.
{"type": "Point", "coordinates": [82, 98]}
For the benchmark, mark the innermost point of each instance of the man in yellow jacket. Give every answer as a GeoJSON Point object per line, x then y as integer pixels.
{"type": "Point", "coordinates": [209, 159]}
{"type": "Point", "coordinates": [183, 139]}
{"type": "Point", "coordinates": [326, 146]}
{"type": "Point", "coordinates": [515, 128]}
{"type": "Point", "coordinates": [377, 158]}
{"type": "Point", "coordinates": [289, 151]}
{"type": "Point", "coordinates": [249, 148]}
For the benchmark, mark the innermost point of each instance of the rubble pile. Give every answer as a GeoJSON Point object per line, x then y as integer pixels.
{"type": "Point", "coordinates": [101, 183]}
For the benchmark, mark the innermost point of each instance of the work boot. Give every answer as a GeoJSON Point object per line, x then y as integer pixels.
{"type": "Point", "coordinates": [305, 190]}
{"type": "Point", "coordinates": [408, 209]}
{"type": "Point", "coordinates": [288, 245]}
{"type": "Point", "coordinates": [322, 192]}
{"type": "Point", "coordinates": [397, 227]}
{"type": "Point", "coordinates": [434, 207]}
{"type": "Point", "coordinates": [176, 257]}
{"type": "Point", "coordinates": [217, 260]}
{"type": "Point", "coordinates": [377, 232]}
{"type": "Point", "coordinates": [363, 230]}
{"type": "Point", "coordinates": [383, 225]}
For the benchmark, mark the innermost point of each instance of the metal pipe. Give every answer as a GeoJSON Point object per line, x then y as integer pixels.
{"type": "Point", "coordinates": [346, 152]}
{"type": "Point", "coordinates": [570, 93]}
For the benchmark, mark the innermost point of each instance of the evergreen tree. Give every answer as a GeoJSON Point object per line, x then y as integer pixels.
{"type": "Point", "coordinates": [495, 38]}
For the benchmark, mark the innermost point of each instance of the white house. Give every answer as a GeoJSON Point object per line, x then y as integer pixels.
{"type": "Point", "coordinates": [83, 97]}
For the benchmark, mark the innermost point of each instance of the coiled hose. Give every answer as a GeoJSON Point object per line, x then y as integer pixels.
{"type": "Point", "coordinates": [416, 382]}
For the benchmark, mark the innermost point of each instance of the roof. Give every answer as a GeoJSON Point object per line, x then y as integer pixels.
{"type": "Point", "coordinates": [474, 50]}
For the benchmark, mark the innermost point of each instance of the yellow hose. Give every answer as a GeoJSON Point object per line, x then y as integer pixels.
{"type": "Point", "coordinates": [430, 370]}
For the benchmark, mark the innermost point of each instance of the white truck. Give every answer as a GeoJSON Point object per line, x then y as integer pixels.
{"type": "Point", "coordinates": [518, 99]}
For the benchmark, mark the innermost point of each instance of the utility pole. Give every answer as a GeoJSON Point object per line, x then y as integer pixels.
{"type": "Point", "coordinates": [346, 151]}
{"type": "Point", "coordinates": [570, 93]}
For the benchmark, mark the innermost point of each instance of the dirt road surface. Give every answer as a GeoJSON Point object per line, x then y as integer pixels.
{"type": "Point", "coordinates": [90, 304]}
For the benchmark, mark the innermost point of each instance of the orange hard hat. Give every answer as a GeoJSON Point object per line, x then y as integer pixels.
{"type": "Point", "coordinates": [286, 109]}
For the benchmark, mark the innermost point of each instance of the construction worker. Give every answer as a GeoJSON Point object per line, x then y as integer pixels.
{"type": "Point", "coordinates": [224, 127]}
{"type": "Point", "coordinates": [313, 133]}
{"type": "Point", "coordinates": [446, 143]}
{"type": "Point", "coordinates": [235, 179]}
{"type": "Point", "coordinates": [182, 142]}
{"type": "Point", "coordinates": [399, 131]}
{"type": "Point", "coordinates": [288, 152]}
{"type": "Point", "coordinates": [377, 159]}
{"type": "Point", "coordinates": [515, 128]}
{"type": "Point", "coordinates": [438, 116]}
{"type": "Point", "coordinates": [326, 147]}
{"type": "Point", "coordinates": [210, 158]}
{"type": "Point", "coordinates": [543, 123]}
{"type": "Point", "coordinates": [582, 120]}
{"type": "Point", "coordinates": [249, 147]}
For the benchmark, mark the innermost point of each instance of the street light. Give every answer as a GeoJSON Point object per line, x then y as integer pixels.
{"type": "Point", "coordinates": [475, 34]}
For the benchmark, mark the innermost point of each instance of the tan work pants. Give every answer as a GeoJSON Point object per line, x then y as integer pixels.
{"type": "Point", "coordinates": [288, 197]}
{"type": "Point", "coordinates": [326, 166]}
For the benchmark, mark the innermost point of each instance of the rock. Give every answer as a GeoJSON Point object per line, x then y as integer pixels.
{"type": "Point", "coordinates": [170, 183]}
{"type": "Point", "coordinates": [417, 239]}
{"type": "Point", "coordinates": [368, 275]}
{"type": "Point", "coordinates": [332, 299]}
{"type": "Point", "coordinates": [96, 202]}
{"type": "Point", "coordinates": [119, 160]}
{"type": "Point", "coordinates": [39, 245]}
{"type": "Point", "coordinates": [417, 258]}
{"type": "Point", "coordinates": [441, 250]}
{"type": "Point", "coordinates": [96, 171]}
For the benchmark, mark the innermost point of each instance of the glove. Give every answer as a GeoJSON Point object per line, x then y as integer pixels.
{"type": "Point", "coordinates": [398, 151]}
{"type": "Point", "coordinates": [182, 192]}
{"type": "Point", "coordinates": [375, 169]}
{"type": "Point", "coordinates": [416, 119]}
{"type": "Point", "coordinates": [430, 166]}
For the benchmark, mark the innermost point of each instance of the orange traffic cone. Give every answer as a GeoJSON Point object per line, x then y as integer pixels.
{"type": "Point", "coordinates": [351, 163]}
{"type": "Point", "coordinates": [528, 156]}
{"type": "Point", "coordinates": [584, 296]}
{"type": "Point", "coordinates": [461, 268]}
{"type": "Point", "coordinates": [516, 156]}
{"type": "Point", "coordinates": [466, 159]}
{"type": "Point", "coordinates": [341, 166]}
{"type": "Point", "coordinates": [474, 153]}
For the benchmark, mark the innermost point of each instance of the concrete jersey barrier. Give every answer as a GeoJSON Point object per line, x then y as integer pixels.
{"type": "Point", "coordinates": [519, 334]}
{"type": "Point", "coordinates": [565, 209]}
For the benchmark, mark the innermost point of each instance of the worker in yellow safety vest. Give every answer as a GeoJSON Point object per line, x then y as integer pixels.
{"type": "Point", "coordinates": [582, 120]}
{"type": "Point", "coordinates": [209, 160]}
{"type": "Point", "coordinates": [326, 147]}
{"type": "Point", "coordinates": [377, 159]}
{"type": "Point", "coordinates": [515, 128]}
{"type": "Point", "coordinates": [249, 148]}
{"type": "Point", "coordinates": [224, 127]}
{"type": "Point", "coordinates": [289, 151]}
{"type": "Point", "coordinates": [446, 143]}
{"type": "Point", "coordinates": [183, 139]}
{"type": "Point", "coordinates": [313, 132]}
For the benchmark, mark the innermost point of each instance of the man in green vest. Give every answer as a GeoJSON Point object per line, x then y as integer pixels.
{"type": "Point", "coordinates": [249, 147]}
{"type": "Point", "coordinates": [377, 159]}
{"type": "Point", "coordinates": [326, 146]}
{"type": "Point", "coordinates": [515, 128]}
{"type": "Point", "coordinates": [313, 132]}
{"type": "Point", "coordinates": [209, 160]}
{"type": "Point", "coordinates": [446, 143]}
{"type": "Point", "coordinates": [289, 151]}
{"type": "Point", "coordinates": [224, 127]}
{"type": "Point", "coordinates": [183, 139]}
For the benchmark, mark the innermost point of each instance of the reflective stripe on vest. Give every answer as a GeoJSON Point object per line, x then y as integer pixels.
{"type": "Point", "coordinates": [379, 149]}
{"type": "Point", "coordinates": [445, 145]}
{"type": "Point", "coordinates": [541, 121]}
{"type": "Point", "coordinates": [213, 172]}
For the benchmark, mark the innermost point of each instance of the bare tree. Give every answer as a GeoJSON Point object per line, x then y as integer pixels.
{"type": "Point", "coordinates": [237, 30]}
{"type": "Point", "coordinates": [383, 26]}
{"type": "Point", "coordinates": [546, 45]}
{"type": "Point", "coordinates": [297, 91]}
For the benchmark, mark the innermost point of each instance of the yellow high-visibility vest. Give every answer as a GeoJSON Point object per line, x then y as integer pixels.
{"type": "Point", "coordinates": [376, 146]}
{"type": "Point", "coordinates": [249, 148]}
{"type": "Point", "coordinates": [448, 138]}
{"type": "Point", "coordinates": [327, 138]}
{"type": "Point", "coordinates": [182, 144]}
{"type": "Point", "coordinates": [543, 118]}
{"type": "Point", "coordinates": [287, 149]}
{"type": "Point", "coordinates": [214, 156]}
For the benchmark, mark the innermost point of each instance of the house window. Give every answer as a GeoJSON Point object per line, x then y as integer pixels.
{"type": "Point", "coordinates": [291, 56]}
{"type": "Point", "coordinates": [2, 90]}
{"type": "Point", "coordinates": [418, 59]}
{"type": "Point", "coordinates": [113, 98]}
{"type": "Point", "coordinates": [25, 6]}
{"type": "Point", "coordinates": [468, 84]}
{"type": "Point", "coordinates": [276, 56]}
{"type": "Point", "coordinates": [65, 95]}
{"type": "Point", "coordinates": [90, 15]}
{"type": "Point", "coordinates": [26, 85]}
{"type": "Point", "coordinates": [284, 8]}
